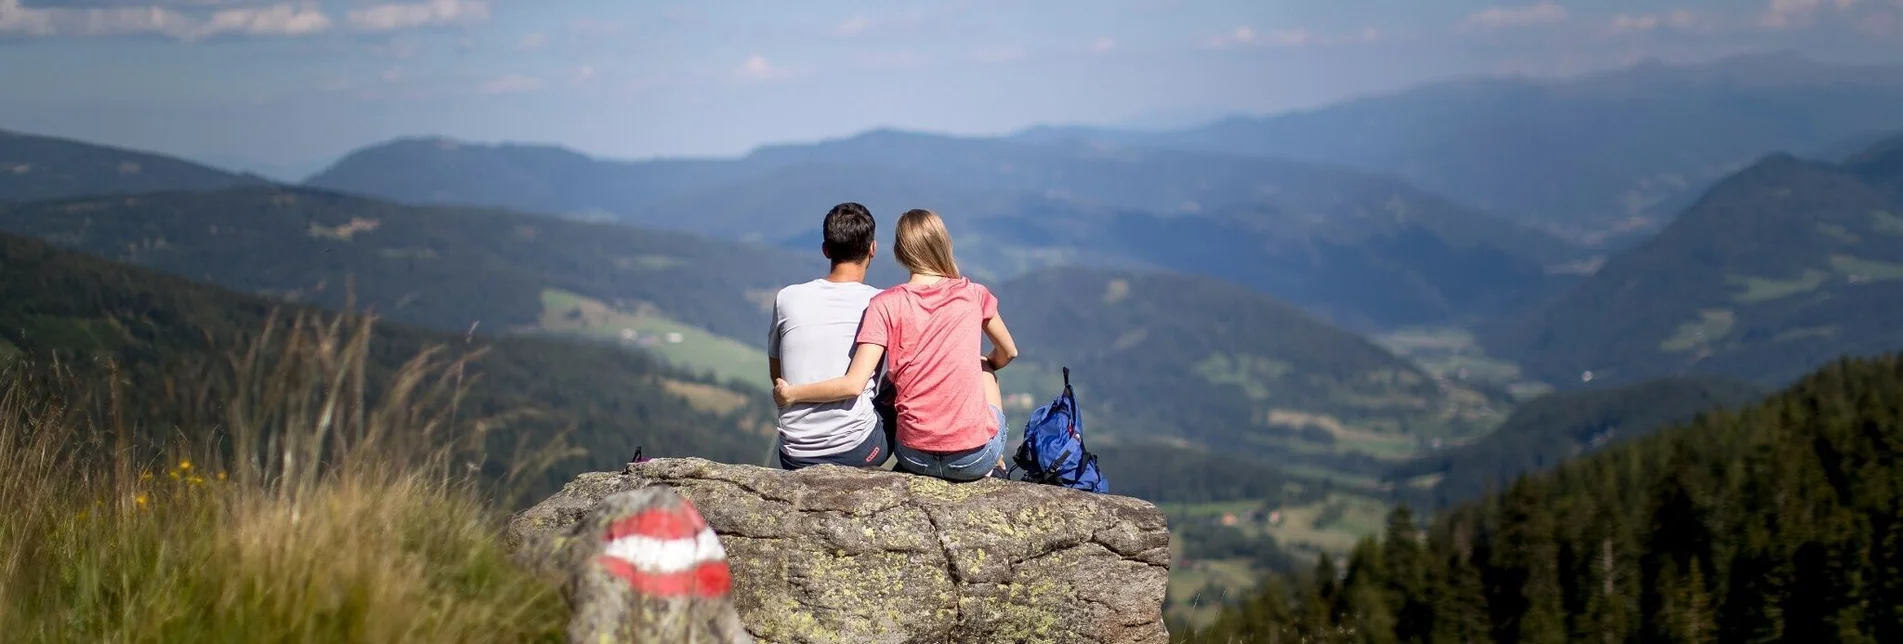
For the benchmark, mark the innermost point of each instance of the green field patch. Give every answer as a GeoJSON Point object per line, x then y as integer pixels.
{"type": "Point", "coordinates": [1250, 373]}
{"type": "Point", "coordinates": [1859, 269]}
{"type": "Point", "coordinates": [707, 398]}
{"type": "Point", "coordinates": [1887, 222]}
{"type": "Point", "coordinates": [681, 344]}
{"type": "Point", "coordinates": [345, 231]}
{"type": "Point", "coordinates": [1820, 332]}
{"type": "Point", "coordinates": [1526, 391]}
{"type": "Point", "coordinates": [1332, 525]}
{"type": "Point", "coordinates": [647, 262]}
{"type": "Point", "coordinates": [1423, 340]}
{"type": "Point", "coordinates": [1711, 325]}
{"type": "Point", "coordinates": [407, 253]}
{"type": "Point", "coordinates": [1763, 289]}
{"type": "Point", "coordinates": [1839, 233]}
{"type": "Point", "coordinates": [1450, 353]}
{"type": "Point", "coordinates": [1197, 591]}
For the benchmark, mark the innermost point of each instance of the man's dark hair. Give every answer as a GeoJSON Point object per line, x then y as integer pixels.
{"type": "Point", "coordinates": [849, 233]}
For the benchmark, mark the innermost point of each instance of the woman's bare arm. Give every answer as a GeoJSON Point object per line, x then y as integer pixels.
{"type": "Point", "coordinates": [1003, 349]}
{"type": "Point", "coordinates": [865, 361]}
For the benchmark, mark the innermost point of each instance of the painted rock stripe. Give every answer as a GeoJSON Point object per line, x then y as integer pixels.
{"type": "Point", "coordinates": [662, 556]}
{"type": "Point", "coordinates": [681, 522]}
{"type": "Point", "coordinates": [710, 579]}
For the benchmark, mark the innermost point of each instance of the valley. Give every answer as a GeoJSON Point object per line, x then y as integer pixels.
{"type": "Point", "coordinates": [1281, 341]}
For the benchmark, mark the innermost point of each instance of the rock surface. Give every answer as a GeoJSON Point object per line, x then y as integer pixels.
{"type": "Point", "coordinates": [641, 566]}
{"type": "Point", "coordinates": [832, 554]}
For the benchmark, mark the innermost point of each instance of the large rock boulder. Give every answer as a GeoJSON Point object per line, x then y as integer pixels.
{"type": "Point", "coordinates": [642, 566]}
{"type": "Point", "coordinates": [833, 554]}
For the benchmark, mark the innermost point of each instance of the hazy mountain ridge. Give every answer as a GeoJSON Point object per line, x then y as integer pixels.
{"type": "Point", "coordinates": [56, 302]}
{"type": "Point", "coordinates": [446, 268]}
{"type": "Point", "coordinates": [34, 168]}
{"type": "Point", "coordinates": [1162, 356]}
{"type": "Point", "coordinates": [1021, 206]}
{"type": "Point", "coordinates": [1779, 268]}
{"type": "Point", "coordinates": [1599, 156]}
{"type": "Point", "coordinates": [1561, 426]}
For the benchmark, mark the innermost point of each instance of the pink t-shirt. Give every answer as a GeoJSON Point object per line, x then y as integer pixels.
{"type": "Point", "coordinates": [934, 338]}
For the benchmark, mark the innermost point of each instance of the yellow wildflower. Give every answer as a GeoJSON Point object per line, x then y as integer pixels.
{"type": "Point", "coordinates": [184, 465]}
{"type": "Point", "coordinates": [139, 500]}
{"type": "Point", "coordinates": [145, 476]}
{"type": "Point", "coordinates": [173, 474]}
{"type": "Point", "coordinates": [221, 476]}
{"type": "Point", "coordinates": [195, 480]}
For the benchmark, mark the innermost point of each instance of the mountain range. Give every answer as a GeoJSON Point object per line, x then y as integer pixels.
{"type": "Point", "coordinates": [1779, 268]}
{"type": "Point", "coordinates": [34, 168]}
{"type": "Point", "coordinates": [1205, 297]}
{"type": "Point", "coordinates": [162, 330]}
{"type": "Point", "coordinates": [1359, 248]}
{"type": "Point", "coordinates": [1176, 363]}
{"type": "Point", "coordinates": [1602, 157]}
{"type": "Point", "coordinates": [1216, 367]}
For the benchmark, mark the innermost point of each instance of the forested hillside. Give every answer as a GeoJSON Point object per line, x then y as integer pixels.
{"type": "Point", "coordinates": [446, 268]}
{"type": "Point", "coordinates": [1556, 427]}
{"type": "Point", "coordinates": [1229, 370]}
{"type": "Point", "coordinates": [1360, 248]}
{"type": "Point", "coordinates": [1780, 522]}
{"type": "Point", "coordinates": [34, 168]}
{"type": "Point", "coordinates": [160, 330]}
{"type": "Point", "coordinates": [1778, 269]}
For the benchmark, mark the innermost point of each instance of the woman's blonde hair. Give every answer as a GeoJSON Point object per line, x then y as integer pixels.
{"type": "Point", "coordinates": [924, 247]}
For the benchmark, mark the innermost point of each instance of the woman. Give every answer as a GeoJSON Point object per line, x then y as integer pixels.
{"type": "Point", "coordinates": [950, 416]}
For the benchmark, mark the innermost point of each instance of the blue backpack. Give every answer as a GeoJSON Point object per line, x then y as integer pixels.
{"type": "Point", "coordinates": [1053, 448]}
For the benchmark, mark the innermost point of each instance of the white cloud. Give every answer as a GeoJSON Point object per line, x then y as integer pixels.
{"type": "Point", "coordinates": [1103, 44]}
{"type": "Point", "coordinates": [758, 68]}
{"type": "Point", "coordinates": [1247, 36]}
{"type": "Point", "coordinates": [583, 75]}
{"type": "Point", "coordinates": [280, 19]}
{"type": "Point", "coordinates": [1787, 14]}
{"type": "Point", "coordinates": [532, 42]}
{"type": "Point", "coordinates": [1680, 20]}
{"type": "Point", "coordinates": [1545, 12]}
{"type": "Point", "coordinates": [861, 24]}
{"type": "Point", "coordinates": [407, 15]}
{"type": "Point", "coordinates": [853, 26]}
{"type": "Point", "coordinates": [511, 84]}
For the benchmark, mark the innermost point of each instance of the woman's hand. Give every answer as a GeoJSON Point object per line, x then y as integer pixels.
{"type": "Point", "coordinates": [782, 392]}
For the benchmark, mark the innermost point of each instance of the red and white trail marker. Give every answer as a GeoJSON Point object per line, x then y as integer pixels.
{"type": "Point", "coordinates": [668, 552]}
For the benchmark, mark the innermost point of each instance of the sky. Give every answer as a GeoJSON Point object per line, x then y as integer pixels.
{"type": "Point", "coordinates": [286, 86]}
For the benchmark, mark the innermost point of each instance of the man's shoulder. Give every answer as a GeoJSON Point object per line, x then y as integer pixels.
{"type": "Point", "coordinates": [824, 294]}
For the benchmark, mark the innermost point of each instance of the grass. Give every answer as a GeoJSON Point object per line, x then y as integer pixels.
{"type": "Point", "coordinates": [1453, 354]}
{"type": "Point", "coordinates": [1866, 269]}
{"type": "Point", "coordinates": [1361, 516]}
{"type": "Point", "coordinates": [1760, 289]}
{"type": "Point", "coordinates": [1887, 223]}
{"type": "Point", "coordinates": [727, 359]}
{"type": "Point", "coordinates": [1198, 591]}
{"type": "Point", "coordinates": [1711, 325]}
{"type": "Point", "coordinates": [305, 513]}
{"type": "Point", "coordinates": [1839, 233]}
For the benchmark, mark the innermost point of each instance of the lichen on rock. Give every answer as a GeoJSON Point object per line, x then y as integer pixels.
{"type": "Point", "coordinates": [833, 554]}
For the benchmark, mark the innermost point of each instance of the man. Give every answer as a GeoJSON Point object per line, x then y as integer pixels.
{"type": "Point", "coordinates": [811, 340]}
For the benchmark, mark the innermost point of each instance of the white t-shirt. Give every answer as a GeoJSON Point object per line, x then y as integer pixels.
{"type": "Point", "coordinates": [812, 335]}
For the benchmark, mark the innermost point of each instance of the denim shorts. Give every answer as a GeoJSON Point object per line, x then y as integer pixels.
{"type": "Point", "coordinates": [871, 452]}
{"type": "Point", "coordinates": [967, 465]}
